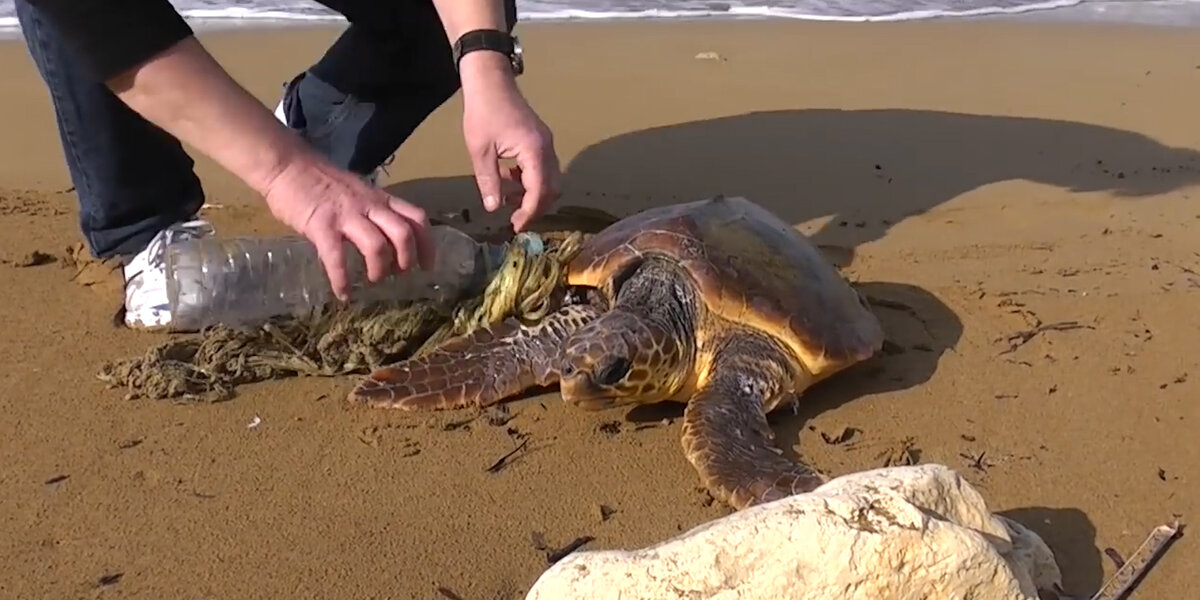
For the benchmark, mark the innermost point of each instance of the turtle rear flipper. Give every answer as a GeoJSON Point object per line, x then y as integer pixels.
{"type": "Point", "coordinates": [481, 368]}
{"type": "Point", "coordinates": [726, 436]}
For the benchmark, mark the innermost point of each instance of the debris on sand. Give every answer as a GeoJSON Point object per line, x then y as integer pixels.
{"type": "Point", "coordinates": [1131, 571]}
{"type": "Point", "coordinates": [208, 367]}
{"type": "Point", "coordinates": [840, 436]}
{"type": "Point", "coordinates": [1036, 327]}
{"type": "Point", "coordinates": [499, 464]}
{"type": "Point", "coordinates": [603, 512]}
{"type": "Point", "coordinates": [901, 454]}
{"type": "Point", "coordinates": [87, 271]}
{"type": "Point", "coordinates": [554, 555]}
{"type": "Point", "coordinates": [35, 258]}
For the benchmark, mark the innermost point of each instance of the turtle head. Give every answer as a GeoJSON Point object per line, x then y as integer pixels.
{"type": "Point", "coordinates": [622, 358]}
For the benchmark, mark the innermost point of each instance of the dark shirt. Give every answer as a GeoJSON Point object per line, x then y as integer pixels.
{"type": "Point", "coordinates": [111, 36]}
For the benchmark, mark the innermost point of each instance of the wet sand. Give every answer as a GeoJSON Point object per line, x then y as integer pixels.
{"type": "Point", "coordinates": [987, 181]}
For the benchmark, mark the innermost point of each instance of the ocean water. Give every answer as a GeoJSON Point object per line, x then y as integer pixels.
{"type": "Point", "coordinates": [1161, 12]}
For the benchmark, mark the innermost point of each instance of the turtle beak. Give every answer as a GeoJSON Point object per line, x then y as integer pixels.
{"type": "Point", "coordinates": [579, 391]}
{"type": "Point", "coordinates": [595, 404]}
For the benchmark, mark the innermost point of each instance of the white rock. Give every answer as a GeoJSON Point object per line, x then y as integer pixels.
{"type": "Point", "coordinates": [901, 533]}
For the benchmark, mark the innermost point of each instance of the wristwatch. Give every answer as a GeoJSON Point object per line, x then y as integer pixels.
{"type": "Point", "coordinates": [490, 39]}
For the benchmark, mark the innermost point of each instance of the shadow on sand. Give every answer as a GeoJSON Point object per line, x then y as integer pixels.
{"type": "Point", "coordinates": [1072, 536]}
{"type": "Point", "coordinates": [872, 169]}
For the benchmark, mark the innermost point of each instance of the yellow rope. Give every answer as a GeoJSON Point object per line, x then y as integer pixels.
{"type": "Point", "coordinates": [523, 287]}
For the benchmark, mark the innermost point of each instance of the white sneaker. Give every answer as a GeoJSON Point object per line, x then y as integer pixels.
{"type": "Point", "coordinates": [146, 305]}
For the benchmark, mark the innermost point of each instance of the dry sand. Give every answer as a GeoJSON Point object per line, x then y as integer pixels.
{"type": "Point", "coordinates": [991, 176]}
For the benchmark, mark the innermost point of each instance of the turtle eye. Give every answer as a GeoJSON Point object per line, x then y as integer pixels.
{"type": "Point", "coordinates": [613, 371]}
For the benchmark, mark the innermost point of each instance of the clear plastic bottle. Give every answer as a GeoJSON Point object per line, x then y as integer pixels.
{"type": "Point", "coordinates": [246, 280]}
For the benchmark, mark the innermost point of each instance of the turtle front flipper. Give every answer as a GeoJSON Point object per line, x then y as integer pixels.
{"type": "Point", "coordinates": [481, 368]}
{"type": "Point", "coordinates": [726, 436]}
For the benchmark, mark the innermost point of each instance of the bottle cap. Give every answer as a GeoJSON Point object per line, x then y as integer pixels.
{"type": "Point", "coordinates": [534, 245]}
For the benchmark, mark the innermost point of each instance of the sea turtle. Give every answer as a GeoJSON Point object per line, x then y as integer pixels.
{"type": "Point", "coordinates": [717, 303]}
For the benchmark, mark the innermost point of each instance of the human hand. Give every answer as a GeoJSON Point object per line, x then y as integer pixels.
{"type": "Point", "coordinates": [498, 123]}
{"type": "Point", "coordinates": [328, 205]}
{"type": "Point", "coordinates": [185, 91]}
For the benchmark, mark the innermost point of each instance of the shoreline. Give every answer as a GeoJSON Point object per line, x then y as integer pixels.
{"type": "Point", "coordinates": [1130, 13]}
{"type": "Point", "coordinates": [978, 179]}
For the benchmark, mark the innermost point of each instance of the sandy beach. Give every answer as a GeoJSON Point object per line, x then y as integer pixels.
{"type": "Point", "coordinates": [990, 176]}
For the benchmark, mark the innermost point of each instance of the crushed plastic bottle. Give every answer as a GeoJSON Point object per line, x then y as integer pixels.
{"type": "Point", "coordinates": [247, 280]}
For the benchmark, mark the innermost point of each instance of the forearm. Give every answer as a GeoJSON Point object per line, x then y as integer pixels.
{"type": "Point", "coordinates": [461, 16]}
{"type": "Point", "coordinates": [185, 92]}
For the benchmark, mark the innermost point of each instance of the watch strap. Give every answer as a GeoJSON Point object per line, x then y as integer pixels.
{"type": "Point", "coordinates": [484, 39]}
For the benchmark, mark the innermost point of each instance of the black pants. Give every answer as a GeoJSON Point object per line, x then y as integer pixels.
{"type": "Point", "coordinates": [383, 76]}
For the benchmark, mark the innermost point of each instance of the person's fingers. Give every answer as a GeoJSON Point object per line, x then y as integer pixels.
{"type": "Point", "coordinates": [540, 180]}
{"type": "Point", "coordinates": [511, 188]}
{"type": "Point", "coordinates": [418, 222]}
{"type": "Point", "coordinates": [531, 202]}
{"type": "Point", "coordinates": [372, 244]}
{"type": "Point", "coordinates": [398, 231]}
{"type": "Point", "coordinates": [487, 176]}
{"type": "Point", "coordinates": [511, 176]}
{"type": "Point", "coordinates": [331, 251]}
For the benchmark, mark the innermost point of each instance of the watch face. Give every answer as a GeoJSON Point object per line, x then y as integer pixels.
{"type": "Point", "coordinates": [518, 57]}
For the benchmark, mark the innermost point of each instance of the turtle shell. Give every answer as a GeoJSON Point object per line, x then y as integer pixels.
{"type": "Point", "coordinates": [750, 268]}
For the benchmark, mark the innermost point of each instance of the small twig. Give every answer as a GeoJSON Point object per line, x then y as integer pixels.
{"type": "Point", "coordinates": [1140, 562]}
{"type": "Point", "coordinates": [902, 307]}
{"type": "Point", "coordinates": [976, 462]}
{"type": "Point", "coordinates": [447, 592]}
{"type": "Point", "coordinates": [1021, 338]}
{"type": "Point", "coordinates": [1180, 267]}
{"type": "Point", "coordinates": [893, 304]}
{"type": "Point", "coordinates": [577, 543]}
{"type": "Point", "coordinates": [503, 460]}
{"type": "Point", "coordinates": [109, 579]}
{"type": "Point", "coordinates": [280, 337]}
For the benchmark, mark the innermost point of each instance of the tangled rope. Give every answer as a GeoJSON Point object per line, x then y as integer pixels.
{"type": "Point", "coordinates": [524, 287]}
